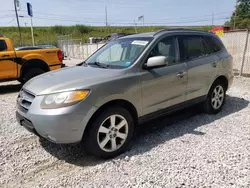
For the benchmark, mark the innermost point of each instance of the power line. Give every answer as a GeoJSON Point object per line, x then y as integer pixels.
{"type": "Point", "coordinates": [6, 16]}
{"type": "Point", "coordinates": [126, 3]}
{"type": "Point", "coordinates": [59, 16]}
{"type": "Point", "coordinates": [11, 21]}
{"type": "Point", "coordinates": [3, 11]}
{"type": "Point", "coordinates": [131, 23]}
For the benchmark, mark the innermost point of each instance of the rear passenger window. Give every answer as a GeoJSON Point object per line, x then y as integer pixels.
{"type": "Point", "coordinates": [191, 47]}
{"type": "Point", "coordinates": [214, 44]}
{"type": "Point", "coordinates": [3, 45]}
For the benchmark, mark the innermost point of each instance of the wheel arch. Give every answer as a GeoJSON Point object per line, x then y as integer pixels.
{"type": "Point", "coordinates": [117, 103]}
{"type": "Point", "coordinates": [33, 63]}
{"type": "Point", "coordinates": [223, 79]}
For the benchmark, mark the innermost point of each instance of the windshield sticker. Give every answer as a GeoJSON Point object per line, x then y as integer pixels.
{"type": "Point", "coordinates": [140, 42]}
{"type": "Point", "coordinates": [127, 64]}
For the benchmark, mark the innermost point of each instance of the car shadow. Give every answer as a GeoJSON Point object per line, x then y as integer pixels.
{"type": "Point", "coordinates": [151, 134]}
{"type": "Point", "coordinates": [11, 88]}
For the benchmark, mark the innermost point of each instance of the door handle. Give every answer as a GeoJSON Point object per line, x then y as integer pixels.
{"type": "Point", "coordinates": [180, 74]}
{"type": "Point", "coordinates": [7, 55]}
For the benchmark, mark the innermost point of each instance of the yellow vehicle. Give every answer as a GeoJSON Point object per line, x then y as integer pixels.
{"type": "Point", "coordinates": [25, 63]}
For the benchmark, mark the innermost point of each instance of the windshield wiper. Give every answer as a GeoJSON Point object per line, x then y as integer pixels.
{"type": "Point", "coordinates": [80, 64]}
{"type": "Point", "coordinates": [98, 64]}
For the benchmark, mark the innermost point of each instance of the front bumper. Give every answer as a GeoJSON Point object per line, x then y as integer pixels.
{"type": "Point", "coordinates": [26, 123]}
{"type": "Point", "coordinates": [64, 125]}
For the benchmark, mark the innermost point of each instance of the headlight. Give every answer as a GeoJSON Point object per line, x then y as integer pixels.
{"type": "Point", "coordinates": [59, 100]}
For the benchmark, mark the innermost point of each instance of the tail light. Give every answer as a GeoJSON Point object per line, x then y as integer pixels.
{"type": "Point", "coordinates": [60, 55]}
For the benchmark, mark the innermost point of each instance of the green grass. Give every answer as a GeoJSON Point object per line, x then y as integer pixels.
{"type": "Point", "coordinates": [49, 35]}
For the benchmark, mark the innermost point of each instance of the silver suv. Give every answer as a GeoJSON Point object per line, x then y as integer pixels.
{"type": "Point", "coordinates": [128, 81]}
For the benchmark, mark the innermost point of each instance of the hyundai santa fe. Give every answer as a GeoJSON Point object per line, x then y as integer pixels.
{"type": "Point", "coordinates": [128, 81]}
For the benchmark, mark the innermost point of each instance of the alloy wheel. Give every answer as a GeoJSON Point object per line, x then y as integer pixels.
{"type": "Point", "coordinates": [112, 133]}
{"type": "Point", "coordinates": [217, 97]}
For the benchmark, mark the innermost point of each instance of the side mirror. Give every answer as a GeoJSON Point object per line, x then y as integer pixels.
{"type": "Point", "coordinates": [157, 61]}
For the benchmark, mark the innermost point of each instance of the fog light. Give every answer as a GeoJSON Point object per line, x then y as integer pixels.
{"type": "Point", "coordinates": [52, 138]}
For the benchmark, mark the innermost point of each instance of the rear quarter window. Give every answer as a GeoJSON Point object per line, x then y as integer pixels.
{"type": "Point", "coordinates": [214, 44]}
{"type": "Point", "coordinates": [3, 45]}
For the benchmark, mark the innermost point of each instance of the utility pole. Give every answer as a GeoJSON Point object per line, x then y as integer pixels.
{"type": "Point", "coordinates": [235, 14]}
{"type": "Point", "coordinates": [30, 13]}
{"type": "Point", "coordinates": [17, 19]}
{"type": "Point", "coordinates": [135, 26]}
{"type": "Point", "coordinates": [213, 19]}
{"type": "Point", "coordinates": [32, 34]}
{"type": "Point", "coordinates": [106, 15]}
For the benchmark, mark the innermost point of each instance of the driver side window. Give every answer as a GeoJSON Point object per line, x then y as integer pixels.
{"type": "Point", "coordinates": [166, 47]}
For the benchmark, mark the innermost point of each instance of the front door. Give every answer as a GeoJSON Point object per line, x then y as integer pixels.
{"type": "Point", "coordinates": [165, 86]}
{"type": "Point", "coordinates": [7, 64]}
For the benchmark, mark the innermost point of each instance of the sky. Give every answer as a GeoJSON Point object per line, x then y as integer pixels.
{"type": "Point", "coordinates": [119, 12]}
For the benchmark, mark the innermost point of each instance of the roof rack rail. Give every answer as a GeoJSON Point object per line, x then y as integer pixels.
{"type": "Point", "coordinates": [176, 29]}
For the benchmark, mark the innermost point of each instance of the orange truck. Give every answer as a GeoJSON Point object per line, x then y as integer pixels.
{"type": "Point", "coordinates": [25, 63]}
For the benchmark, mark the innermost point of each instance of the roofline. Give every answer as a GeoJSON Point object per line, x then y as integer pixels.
{"type": "Point", "coordinates": [178, 29]}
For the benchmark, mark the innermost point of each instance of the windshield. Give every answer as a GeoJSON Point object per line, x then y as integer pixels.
{"type": "Point", "coordinates": [119, 53]}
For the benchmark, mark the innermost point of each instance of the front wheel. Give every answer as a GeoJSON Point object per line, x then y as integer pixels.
{"type": "Point", "coordinates": [109, 134]}
{"type": "Point", "coordinates": [31, 73]}
{"type": "Point", "coordinates": [216, 98]}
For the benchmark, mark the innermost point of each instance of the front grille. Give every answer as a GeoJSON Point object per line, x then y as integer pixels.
{"type": "Point", "coordinates": [24, 100]}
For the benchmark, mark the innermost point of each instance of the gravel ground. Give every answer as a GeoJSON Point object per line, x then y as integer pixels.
{"type": "Point", "coordinates": [187, 149]}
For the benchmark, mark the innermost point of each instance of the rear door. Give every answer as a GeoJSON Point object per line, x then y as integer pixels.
{"type": "Point", "coordinates": [202, 65]}
{"type": "Point", "coordinates": [8, 66]}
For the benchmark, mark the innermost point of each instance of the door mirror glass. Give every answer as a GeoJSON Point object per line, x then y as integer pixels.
{"type": "Point", "coordinates": [157, 61]}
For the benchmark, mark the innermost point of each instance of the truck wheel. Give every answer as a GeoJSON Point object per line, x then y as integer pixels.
{"type": "Point", "coordinates": [215, 98]}
{"type": "Point", "coordinates": [31, 73]}
{"type": "Point", "coordinates": [110, 133]}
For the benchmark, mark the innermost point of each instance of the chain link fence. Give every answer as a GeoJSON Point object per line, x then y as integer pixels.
{"type": "Point", "coordinates": [77, 48]}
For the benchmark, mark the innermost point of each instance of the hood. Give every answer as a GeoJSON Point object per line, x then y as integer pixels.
{"type": "Point", "coordinates": [72, 78]}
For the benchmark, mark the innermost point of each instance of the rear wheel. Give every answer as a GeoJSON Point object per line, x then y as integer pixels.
{"type": "Point", "coordinates": [110, 134]}
{"type": "Point", "coordinates": [31, 73]}
{"type": "Point", "coordinates": [216, 98]}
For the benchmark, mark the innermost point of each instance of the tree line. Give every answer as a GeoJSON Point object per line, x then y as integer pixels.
{"type": "Point", "coordinates": [240, 18]}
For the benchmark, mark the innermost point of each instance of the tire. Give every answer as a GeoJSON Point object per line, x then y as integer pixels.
{"type": "Point", "coordinates": [215, 98]}
{"type": "Point", "coordinates": [20, 80]}
{"type": "Point", "coordinates": [31, 73]}
{"type": "Point", "coordinates": [99, 144]}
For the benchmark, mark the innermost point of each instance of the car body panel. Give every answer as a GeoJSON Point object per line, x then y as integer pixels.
{"type": "Point", "coordinates": [162, 88]}
{"type": "Point", "coordinates": [13, 60]}
{"type": "Point", "coordinates": [81, 78]}
{"type": "Point", "coordinates": [150, 91]}
{"type": "Point", "coordinates": [201, 74]}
